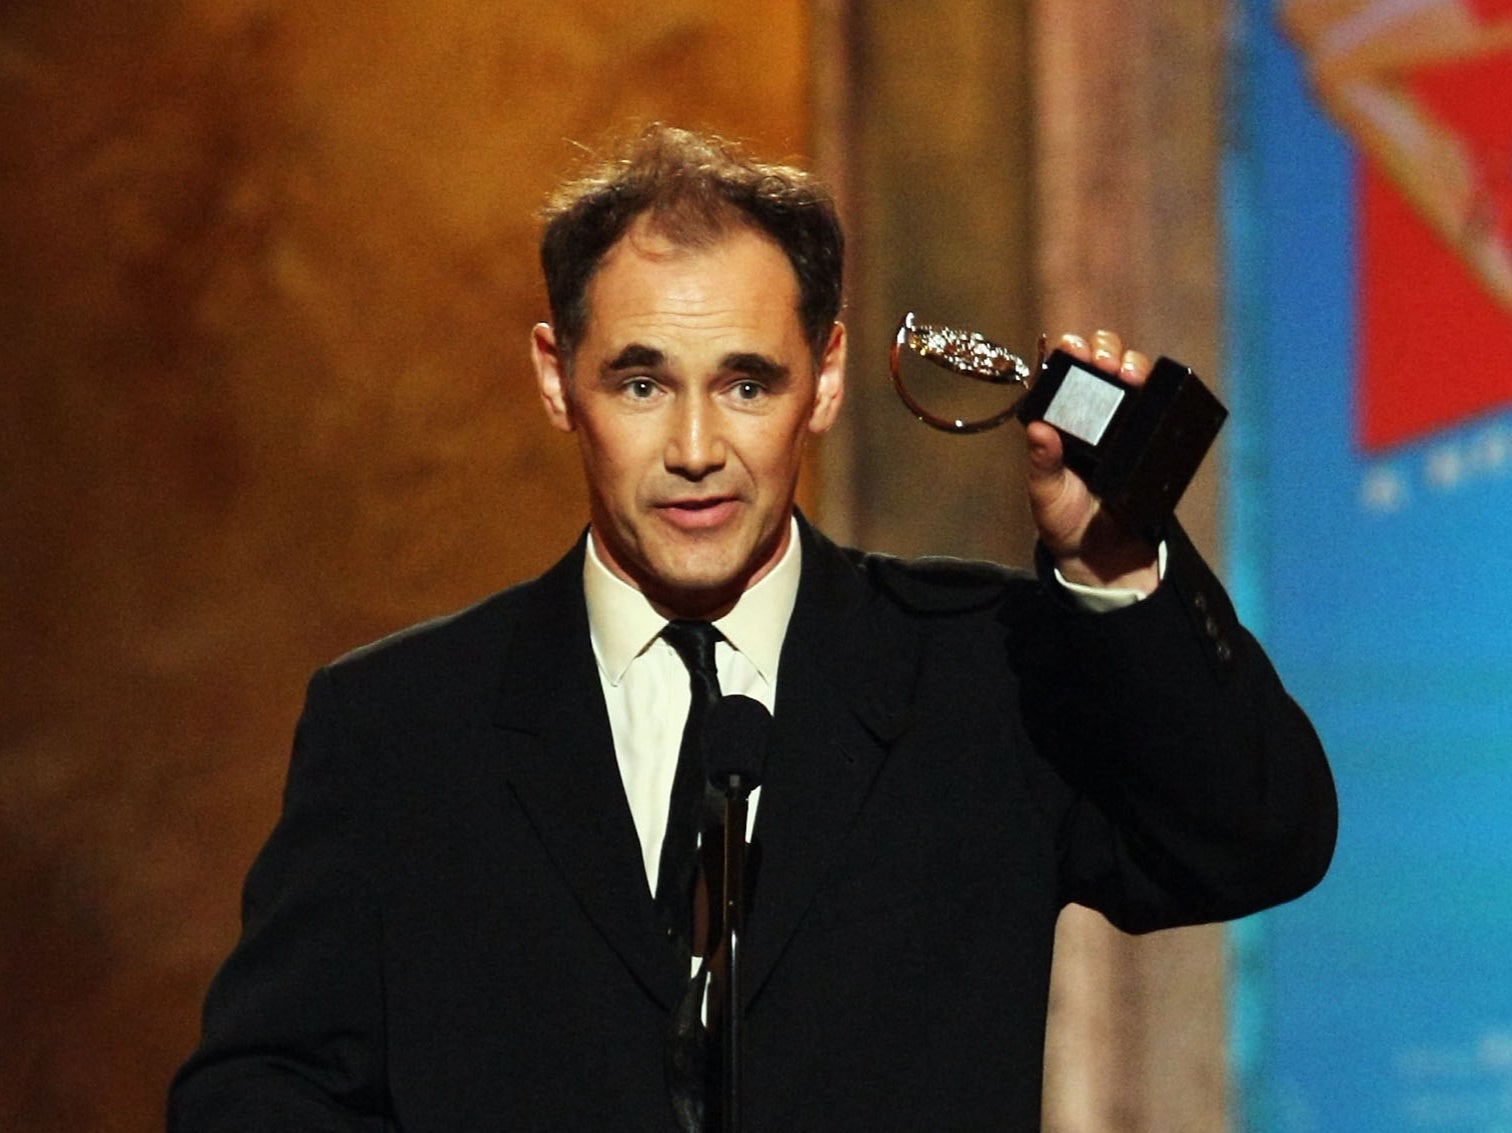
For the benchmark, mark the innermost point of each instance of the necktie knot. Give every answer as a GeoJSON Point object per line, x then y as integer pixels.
{"type": "Point", "coordinates": [694, 643]}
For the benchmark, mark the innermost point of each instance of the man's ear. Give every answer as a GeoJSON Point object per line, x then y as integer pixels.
{"type": "Point", "coordinates": [829, 389]}
{"type": "Point", "coordinates": [551, 376]}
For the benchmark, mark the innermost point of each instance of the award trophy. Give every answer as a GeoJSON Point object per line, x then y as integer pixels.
{"type": "Point", "coordinates": [1137, 449]}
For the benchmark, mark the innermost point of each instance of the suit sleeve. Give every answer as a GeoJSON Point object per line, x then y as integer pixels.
{"type": "Point", "coordinates": [1184, 783]}
{"type": "Point", "coordinates": [292, 1032]}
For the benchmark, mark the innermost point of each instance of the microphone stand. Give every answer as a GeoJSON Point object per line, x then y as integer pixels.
{"type": "Point", "coordinates": [732, 927]}
{"type": "Point", "coordinates": [737, 734]}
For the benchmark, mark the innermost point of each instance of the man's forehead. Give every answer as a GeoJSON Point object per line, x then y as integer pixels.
{"type": "Point", "coordinates": [648, 286]}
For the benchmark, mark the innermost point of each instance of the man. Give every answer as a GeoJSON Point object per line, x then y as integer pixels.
{"type": "Point", "coordinates": [453, 926]}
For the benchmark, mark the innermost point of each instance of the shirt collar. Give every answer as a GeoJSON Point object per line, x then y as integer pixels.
{"type": "Point", "coordinates": [622, 623]}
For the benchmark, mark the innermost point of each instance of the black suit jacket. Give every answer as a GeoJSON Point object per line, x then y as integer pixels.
{"type": "Point", "coordinates": [450, 928]}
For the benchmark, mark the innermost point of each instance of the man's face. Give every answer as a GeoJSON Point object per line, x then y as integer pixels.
{"type": "Point", "coordinates": [692, 392]}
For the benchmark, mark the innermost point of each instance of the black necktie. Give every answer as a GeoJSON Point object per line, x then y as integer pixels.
{"type": "Point", "coordinates": [694, 642]}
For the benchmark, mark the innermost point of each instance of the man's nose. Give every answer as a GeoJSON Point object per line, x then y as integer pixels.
{"type": "Point", "coordinates": [696, 445]}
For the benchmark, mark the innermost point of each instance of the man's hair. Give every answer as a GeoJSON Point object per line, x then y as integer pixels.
{"type": "Point", "coordinates": [693, 189]}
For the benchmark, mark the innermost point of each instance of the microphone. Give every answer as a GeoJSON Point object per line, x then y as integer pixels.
{"type": "Point", "coordinates": [736, 734]}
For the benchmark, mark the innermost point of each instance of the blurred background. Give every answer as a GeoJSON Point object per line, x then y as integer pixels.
{"type": "Point", "coordinates": [267, 272]}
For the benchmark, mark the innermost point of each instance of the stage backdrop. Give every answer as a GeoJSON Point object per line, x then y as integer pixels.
{"type": "Point", "coordinates": [1369, 214]}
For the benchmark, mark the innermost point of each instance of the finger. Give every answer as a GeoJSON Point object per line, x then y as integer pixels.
{"type": "Point", "coordinates": [1076, 346]}
{"type": "Point", "coordinates": [1107, 350]}
{"type": "Point", "coordinates": [1135, 367]}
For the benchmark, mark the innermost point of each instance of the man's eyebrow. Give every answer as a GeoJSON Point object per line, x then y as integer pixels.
{"type": "Point", "coordinates": [753, 365]}
{"type": "Point", "coordinates": [635, 357]}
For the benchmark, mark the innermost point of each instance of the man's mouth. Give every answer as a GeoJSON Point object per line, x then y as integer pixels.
{"type": "Point", "coordinates": [696, 514]}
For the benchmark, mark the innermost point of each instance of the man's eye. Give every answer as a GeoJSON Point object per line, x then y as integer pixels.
{"type": "Point", "coordinates": [748, 391]}
{"type": "Point", "coordinates": [640, 388]}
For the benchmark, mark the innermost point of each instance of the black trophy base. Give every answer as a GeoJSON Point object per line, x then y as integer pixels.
{"type": "Point", "coordinates": [1137, 449]}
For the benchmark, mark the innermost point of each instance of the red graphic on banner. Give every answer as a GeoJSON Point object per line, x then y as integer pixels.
{"type": "Point", "coordinates": [1423, 89]}
{"type": "Point", "coordinates": [1435, 322]}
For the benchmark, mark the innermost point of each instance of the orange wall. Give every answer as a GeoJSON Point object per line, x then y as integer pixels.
{"type": "Point", "coordinates": [264, 394]}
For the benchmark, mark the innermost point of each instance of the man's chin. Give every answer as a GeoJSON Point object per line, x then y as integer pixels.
{"type": "Point", "coordinates": [691, 574]}
{"type": "Point", "coordinates": [705, 594]}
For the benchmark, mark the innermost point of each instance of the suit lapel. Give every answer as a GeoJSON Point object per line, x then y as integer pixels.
{"type": "Point", "coordinates": [849, 664]}
{"type": "Point", "coordinates": [562, 768]}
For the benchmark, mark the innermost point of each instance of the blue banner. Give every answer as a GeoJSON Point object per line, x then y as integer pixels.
{"type": "Point", "coordinates": [1368, 214]}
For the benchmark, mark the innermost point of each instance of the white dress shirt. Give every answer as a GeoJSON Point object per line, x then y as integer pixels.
{"type": "Point", "coordinates": [646, 685]}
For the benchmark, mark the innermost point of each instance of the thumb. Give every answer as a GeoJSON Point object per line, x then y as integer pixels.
{"type": "Point", "coordinates": [1046, 451]}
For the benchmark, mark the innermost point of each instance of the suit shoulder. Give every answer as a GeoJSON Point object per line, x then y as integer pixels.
{"type": "Point", "coordinates": [443, 634]}
{"type": "Point", "coordinates": [942, 585]}
{"type": "Point", "coordinates": [438, 666]}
